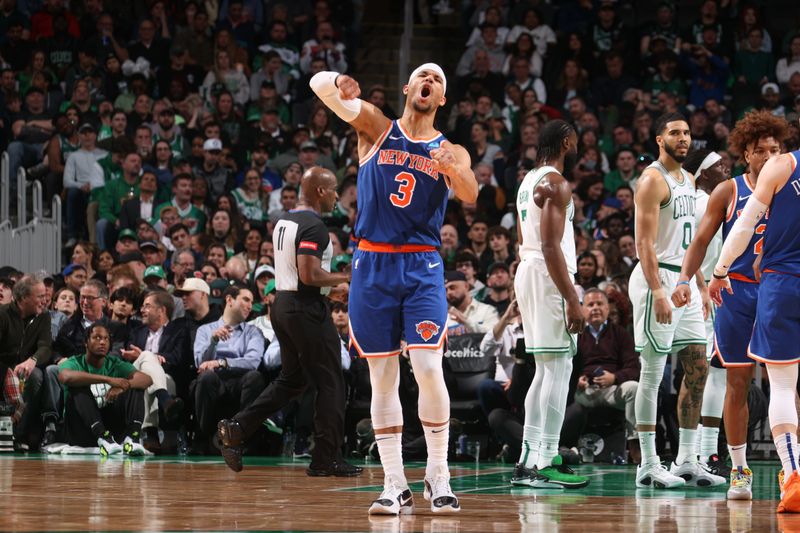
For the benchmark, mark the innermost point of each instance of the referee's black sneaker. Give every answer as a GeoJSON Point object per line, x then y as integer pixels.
{"type": "Point", "coordinates": [231, 435]}
{"type": "Point", "coordinates": [338, 468]}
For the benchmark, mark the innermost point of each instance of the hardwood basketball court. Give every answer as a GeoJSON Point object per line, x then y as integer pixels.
{"type": "Point", "coordinates": [80, 493]}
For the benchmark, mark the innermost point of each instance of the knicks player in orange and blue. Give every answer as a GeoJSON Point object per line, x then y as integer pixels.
{"type": "Point", "coordinates": [758, 136]}
{"type": "Point", "coordinates": [776, 334]}
{"type": "Point", "coordinates": [407, 171]}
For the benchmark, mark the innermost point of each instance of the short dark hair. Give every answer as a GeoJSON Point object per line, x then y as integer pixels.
{"type": "Point", "coordinates": [183, 176]}
{"type": "Point", "coordinates": [96, 325]}
{"type": "Point", "coordinates": [666, 118]}
{"type": "Point", "coordinates": [464, 257]}
{"type": "Point", "coordinates": [175, 228]}
{"type": "Point", "coordinates": [551, 137]}
{"type": "Point", "coordinates": [124, 294]}
{"type": "Point", "coordinates": [498, 230]}
{"type": "Point", "coordinates": [234, 289]}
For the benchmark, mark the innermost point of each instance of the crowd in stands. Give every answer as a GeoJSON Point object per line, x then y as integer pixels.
{"type": "Point", "coordinates": [177, 134]}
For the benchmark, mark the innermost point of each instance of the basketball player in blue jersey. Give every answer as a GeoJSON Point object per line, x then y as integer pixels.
{"type": "Point", "coordinates": [407, 170]}
{"type": "Point", "coordinates": [758, 137]}
{"type": "Point", "coordinates": [776, 333]}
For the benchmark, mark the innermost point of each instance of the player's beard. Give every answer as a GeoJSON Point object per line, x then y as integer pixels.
{"type": "Point", "coordinates": [570, 160]}
{"type": "Point", "coordinates": [419, 108]}
{"type": "Point", "coordinates": [456, 301]}
{"type": "Point", "coordinates": [671, 152]}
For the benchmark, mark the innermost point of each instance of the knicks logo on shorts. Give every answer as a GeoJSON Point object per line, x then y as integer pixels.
{"type": "Point", "coordinates": [427, 330]}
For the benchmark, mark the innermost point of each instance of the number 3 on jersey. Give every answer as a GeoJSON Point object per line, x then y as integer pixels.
{"type": "Point", "coordinates": [406, 190]}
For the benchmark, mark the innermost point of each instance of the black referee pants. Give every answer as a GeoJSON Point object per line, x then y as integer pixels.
{"type": "Point", "coordinates": [310, 355]}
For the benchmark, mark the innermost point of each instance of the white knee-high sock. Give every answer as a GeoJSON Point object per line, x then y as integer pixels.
{"type": "Point", "coordinates": [713, 403]}
{"type": "Point", "coordinates": [532, 430]}
{"type": "Point", "coordinates": [782, 411]}
{"type": "Point", "coordinates": [646, 403]}
{"type": "Point", "coordinates": [434, 408]}
{"type": "Point", "coordinates": [387, 413]}
{"type": "Point", "coordinates": [552, 403]}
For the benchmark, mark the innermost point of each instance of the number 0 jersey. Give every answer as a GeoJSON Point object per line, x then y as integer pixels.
{"type": "Point", "coordinates": [744, 263]}
{"type": "Point", "coordinates": [401, 198]}
{"type": "Point", "coordinates": [675, 219]}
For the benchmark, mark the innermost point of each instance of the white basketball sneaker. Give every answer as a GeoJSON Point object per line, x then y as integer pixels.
{"type": "Point", "coordinates": [695, 475]}
{"type": "Point", "coordinates": [437, 491]}
{"type": "Point", "coordinates": [655, 475]}
{"type": "Point", "coordinates": [396, 499]}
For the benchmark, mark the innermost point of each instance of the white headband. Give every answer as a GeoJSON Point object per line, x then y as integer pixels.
{"type": "Point", "coordinates": [430, 66]}
{"type": "Point", "coordinates": [710, 159]}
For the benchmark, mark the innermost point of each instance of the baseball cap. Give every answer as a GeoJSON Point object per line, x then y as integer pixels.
{"type": "Point", "coordinates": [494, 266]}
{"type": "Point", "coordinates": [339, 261]}
{"type": "Point", "coordinates": [86, 126]}
{"type": "Point", "coordinates": [194, 284]}
{"type": "Point", "coordinates": [308, 145]}
{"type": "Point", "coordinates": [212, 144]}
{"type": "Point", "coordinates": [269, 287]}
{"type": "Point", "coordinates": [131, 256]}
{"type": "Point", "coordinates": [253, 114]}
{"type": "Point", "coordinates": [148, 244]}
{"type": "Point", "coordinates": [454, 275]}
{"type": "Point", "coordinates": [154, 270]}
{"type": "Point", "coordinates": [127, 234]}
{"type": "Point", "coordinates": [72, 268]}
{"type": "Point", "coordinates": [264, 269]}
{"type": "Point", "coordinates": [218, 287]}
{"type": "Point", "coordinates": [770, 88]}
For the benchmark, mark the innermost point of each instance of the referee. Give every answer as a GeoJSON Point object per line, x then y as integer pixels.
{"type": "Point", "coordinates": [309, 343]}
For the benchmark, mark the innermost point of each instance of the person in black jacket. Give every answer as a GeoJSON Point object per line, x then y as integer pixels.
{"type": "Point", "coordinates": [159, 348]}
{"type": "Point", "coordinates": [610, 365]}
{"type": "Point", "coordinates": [25, 349]}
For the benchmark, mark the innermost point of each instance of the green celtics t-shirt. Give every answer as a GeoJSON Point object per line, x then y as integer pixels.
{"type": "Point", "coordinates": [194, 218]}
{"type": "Point", "coordinates": [114, 367]}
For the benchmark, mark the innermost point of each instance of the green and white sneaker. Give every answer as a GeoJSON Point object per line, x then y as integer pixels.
{"type": "Point", "coordinates": [741, 487]}
{"type": "Point", "coordinates": [108, 446]}
{"type": "Point", "coordinates": [559, 474]}
{"type": "Point", "coordinates": [133, 447]}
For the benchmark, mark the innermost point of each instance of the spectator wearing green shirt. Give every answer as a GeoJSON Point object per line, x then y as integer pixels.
{"type": "Point", "coordinates": [752, 67]}
{"type": "Point", "coordinates": [115, 193]}
{"type": "Point", "coordinates": [103, 397]}
{"type": "Point", "coordinates": [624, 173]}
{"type": "Point", "coordinates": [190, 215]}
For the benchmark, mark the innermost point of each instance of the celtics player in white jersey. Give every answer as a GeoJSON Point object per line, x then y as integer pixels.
{"type": "Point", "coordinates": [549, 305]}
{"type": "Point", "coordinates": [709, 170]}
{"type": "Point", "coordinates": [665, 225]}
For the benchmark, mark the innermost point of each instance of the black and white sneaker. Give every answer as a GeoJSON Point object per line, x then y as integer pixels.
{"type": "Point", "coordinates": [437, 491]}
{"type": "Point", "coordinates": [395, 499]}
{"type": "Point", "coordinates": [717, 467]}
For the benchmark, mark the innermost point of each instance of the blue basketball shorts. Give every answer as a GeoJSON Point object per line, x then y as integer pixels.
{"type": "Point", "coordinates": [776, 335]}
{"type": "Point", "coordinates": [733, 324]}
{"type": "Point", "coordinates": [394, 297]}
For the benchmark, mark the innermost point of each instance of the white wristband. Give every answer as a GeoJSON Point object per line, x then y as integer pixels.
{"type": "Point", "coordinates": [324, 85]}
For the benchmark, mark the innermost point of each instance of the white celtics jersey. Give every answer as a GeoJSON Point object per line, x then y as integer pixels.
{"type": "Point", "coordinates": [715, 246]}
{"type": "Point", "coordinates": [676, 218]}
{"type": "Point", "coordinates": [530, 216]}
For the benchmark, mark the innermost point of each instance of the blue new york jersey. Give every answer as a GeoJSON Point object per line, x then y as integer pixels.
{"type": "Point", "coordinates": [401, 198]}
{"type": "Point", "coordinates": [744, 263]}
{"type": "Point", "coordinates": [782, 238]}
